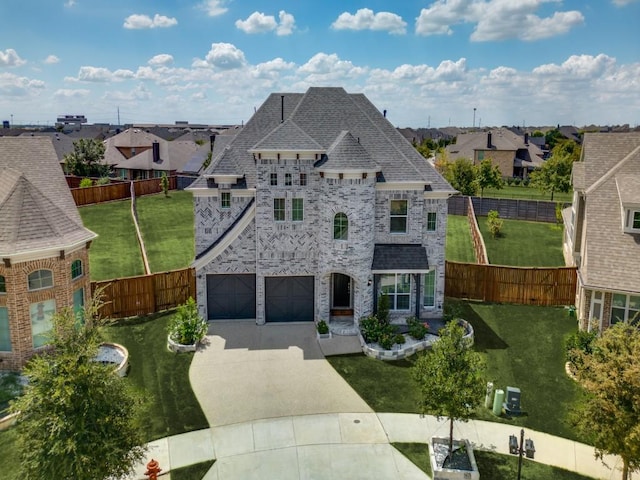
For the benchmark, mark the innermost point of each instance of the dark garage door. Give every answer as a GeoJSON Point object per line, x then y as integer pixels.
{"type": "Point", "coordinates": [289, 299]}
{"type": "Point", "coordinates": [231, 297]}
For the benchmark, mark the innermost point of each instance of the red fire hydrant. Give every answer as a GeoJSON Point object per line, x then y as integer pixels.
{"type": "Point", "coordinates": [153, 469]}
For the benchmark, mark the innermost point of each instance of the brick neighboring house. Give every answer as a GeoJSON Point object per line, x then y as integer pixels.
{"type": "Point", "coordinates": [315, 207]}
{"type": "Point", "coordinates": [516, 156]}
{"type": "Point", "coordinates": [136, 154]}
{"type": "Point", "coordinates": [44, 248]}
{"type": "Point", "coordinates": [602, 229]}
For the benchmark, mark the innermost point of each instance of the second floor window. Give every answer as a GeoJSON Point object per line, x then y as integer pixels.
{"type": "Point", "coordinates": [76, 269]}
{"type": "Point", "coordinates": [225, 199]}
{"type": "Point", "coordinates": [278, 209]}
{"type": "Point", "coordinates": [287, 179]}
{"type": "Point", "coordinates": [40, 279]}
{"type": "Point", "coordinates": [297, 209]}
{"type": "Point", "coordinates": [340, 227]}
{"type": "Point", "coordinates": [273, 178]}
{"type": "Point", "coordinates": [431, 221]}
{"type": "Point", "coordinates": [398, 216]}
{"type": "Point", "coordinates": [303, 179]}
{"type": "Point", "coordinates": [3, 285]}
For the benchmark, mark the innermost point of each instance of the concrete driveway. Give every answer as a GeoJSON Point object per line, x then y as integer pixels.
{"type": "Point", "coordinates": [247, 372]}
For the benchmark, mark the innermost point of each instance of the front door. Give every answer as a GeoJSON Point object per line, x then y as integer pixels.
{"type": "Point", "coordinates": [341, 291]}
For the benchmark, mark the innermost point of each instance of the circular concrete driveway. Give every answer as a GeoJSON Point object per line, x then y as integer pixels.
{"type": "Point", "coordinates": [247, 372]}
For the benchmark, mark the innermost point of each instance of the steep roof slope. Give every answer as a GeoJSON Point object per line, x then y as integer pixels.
{"type": "Point", "coordinates": [36, 206]}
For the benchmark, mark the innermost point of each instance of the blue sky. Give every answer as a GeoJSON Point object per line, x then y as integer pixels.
{"type": "Point", "coordinates": [532, 62]}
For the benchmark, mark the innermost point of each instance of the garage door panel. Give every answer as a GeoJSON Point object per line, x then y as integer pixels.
{"type": "Point", "coordinates": [231, 296]}
{"type": "Point", "coordinates": [289, 299]}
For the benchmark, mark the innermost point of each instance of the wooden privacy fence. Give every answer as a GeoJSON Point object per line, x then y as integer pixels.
{"type": "Point", "coordinates": [533, 210]}
{"type": "Point", "coordinates": [118, 191]}
{"type": "Point", "coordinates": [146, 294]}
{"type": "Point", "coordinates": [479, 247]}
{"type": "Point", "coordinates": [525, 286]}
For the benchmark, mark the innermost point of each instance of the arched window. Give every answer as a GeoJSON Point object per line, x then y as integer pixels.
{"type": "Point", "coordinates": [40, 279]}
{"type": "Point", "coordinates": [76, 269]}
{"type": "Point", "coordinates": [3, 285]}
{"type": "Point", "coordinates": [340, 227]}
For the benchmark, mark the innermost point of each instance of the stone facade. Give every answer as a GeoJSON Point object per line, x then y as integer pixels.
{"type": "Point", "coordinates": [19, 300]}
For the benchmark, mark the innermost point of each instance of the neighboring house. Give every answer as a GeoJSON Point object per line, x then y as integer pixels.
{"type": "Point", "coordinates": [44, 248]}
{"type": "Point", "coordinates": [63, 144]}
{"type": "Point", "coordinates": [136, 154]}
{"type": "Point", "coordinates": [514, 155]}
{"type": "Point", "coordinates": [312, 210]}
{"type": "Point", "coordinates": [602, 229]}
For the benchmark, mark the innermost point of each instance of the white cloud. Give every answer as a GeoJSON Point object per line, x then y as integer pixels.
{"type": "Point", "coordinates": [161, 59]}
{"type": "Point", "coordinates": [198, 96]}
{"type": "Point", "coordinates": [100, 75]}
{"type": "Point", "coordinates": [366, 19]}
{"type": "Point", "coordinates": [578, 67]}
{"type": "Point", "coordinates": [214, 8]}
{"type": "Point", "coordinates": [140, 92]}
{"type": "Point", "coordinates": [66, 93]}
{"type": "Point", "coordinates": [496, 19]}
{"type": "Point", "coordinates": [10, 58]}
{"type": "Point", "coordinates": [70, 3]}
{"type": "Point", "coordinates": [259, 22]}
{"type": "Point", "coordinates": [623, 3]}
{"type": "Point", "coordinates": [137, 21]}
{"type": "Point", "coordinates": [329, 68]}
{"type": "Point", "coordinates": [51, 59]}
{"type": "Point", "coordinates": [14, 86]}
{"type": "Point", "coordinates": [272, 69]}
{"type": "Point", "coordinates": [225, 56]}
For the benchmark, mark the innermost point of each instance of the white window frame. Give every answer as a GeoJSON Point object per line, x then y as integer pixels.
{"type": "Point", "coordinates": [294, 201]}
{"type": "Point", "coordinates": [288, 180]}
{"type": "Point", "coordinates": [277, 210]}
{"type": "Point", "coordinates": [434, 276]}
{"type": "Point", "coordinates": [630, 215]}
{"type": "Point", "coordinates": [434, 215]}
{"type": "Point", "coordinates": [39, 280]}
{"type": "Point", "coordinates": [3, 285]}
{"type": "Point", "coordinates": [225, 200]}
{"type": "Point", "coordinates": [600, 303]}
{"type": "Point", "coordinates": [5, 309]}
{"type": "Point", "coordinates": [393, 216]}
{"type": "Point", "coordinates": [75, 274]}
{"type": "Point", "coordinates": [344, 232]}
{"type": "Point", "coordinates": [393, 296]}
{"type": "Point", "coordinates": [303, 179]}
{"type": "Point", "coordinates": [629, 312]}
{"type": "Point", "coordinates": [273, 179]}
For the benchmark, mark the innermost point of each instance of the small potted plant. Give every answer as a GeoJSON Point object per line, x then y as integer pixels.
{"type": "Point", "coordinates": [186, 328]}
{"type": "Point", "coordinates": [323, 329]}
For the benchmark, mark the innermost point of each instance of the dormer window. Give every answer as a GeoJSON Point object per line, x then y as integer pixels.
{"type": "Point", "coordinates": [632, 220]}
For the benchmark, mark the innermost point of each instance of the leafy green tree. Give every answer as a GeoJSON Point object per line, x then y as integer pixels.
{"type": "Point", "coordinates": [495, 223]}
{"type": "Point", "coordinates": [567, 148]}
{"type": "Point", "coordinates": [86, 158]}
{"type": "Point", "coordinates": [537, 133]}
{"type": "Point", "coordinates": [461, 174]}
{"type": "Point", "coordinates": [554, 175]}
{"type": "Point", "coordinates": [488, 176]}
{"type": "Point", "coordinates": [450, 378]}
{"type": "Point", "coordinates": [77, 419]}
{"type": "Point", "coordinates": [164, 183]}
{"type": "Point", "coordinates": [609, 415]}
{"type": "Point", "coordinates": [552, 137]}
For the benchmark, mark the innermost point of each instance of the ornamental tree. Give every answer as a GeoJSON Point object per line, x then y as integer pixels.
{"type": "Point", "coordinates": [609, 414]}
{"type": "Point", "coordinates": [77, 419]}
{"type": "Point", "coordinates": [488, 176]}
{"type": "Point", "coordinates": [86, 159]}
{"type": "Point", "coordinates": [450, 378]}
{"type": "Point", "coordinates": [554, 175]}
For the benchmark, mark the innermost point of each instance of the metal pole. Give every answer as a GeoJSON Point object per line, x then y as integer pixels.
{"type": "Point", "coordinates": [520, 452]}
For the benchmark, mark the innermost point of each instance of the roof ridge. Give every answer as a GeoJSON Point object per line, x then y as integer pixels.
{"type": "Point", "coordinates": [612, 170]}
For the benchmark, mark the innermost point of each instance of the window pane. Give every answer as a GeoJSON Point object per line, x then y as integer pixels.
{"type": "Point", "coordinates": [225, 199]}
{"type": "Point", "coordinates": [402, 302]}
{"type": "Point", "coordinates": [429, 280]}
{"type": "Point", "coordinates": [398, 207]}
{"type": "Point", "coordinates": [398, 225]}
{"type": "Point", "coordinates": [404, 283]}
{"type": "Point", "coordinates": [3, 285]}
{"type": "Point", "coordinates": [340, 227]}
{"type": "Point", "coordinates": [274, 179]}
{"type": "Point", "coordinates": [617, 315]}
{"type": "Point", "coordinates": [619, 300]}
{"type": "Point", "coordinates": [287, 179]}
{"type": "Point", "coordinates": [303, 179]}
{"type": "Point", "coordinates": [634, 302]}
{"type": "Point", "coordinates": [278, 209]}
{"type": "Point", "coordinates": [78, 305]}
{"type": "Point", "coordinates": [5, 335]}
{"type": "Point", "coordinates": [41, 314]}
{"type": "Point", "coordinates": [388, 283]}
{"type": "Point", "coordinates": [297, 213]}
{"type": "Point", "coordinates": [431, 221]}
{"type": "Point", "coordinates": [40, 279]}
{"type": "Point", "coordinates": [76, 269]}
{"type": "Point", "coordinates": [636, 220]}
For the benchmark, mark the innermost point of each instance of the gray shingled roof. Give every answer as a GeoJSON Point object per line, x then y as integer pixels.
{"type": "Point", "coordinates": [611, 258]}
{"type": "Point", "coordinates": [502, 139]}
{"type": "Point", "coordinates": [322, 113]}
{"type": "Point", "coordinates": [347, 153]}
{"type": "Point", "coordinates": [287, 136]}
{"type": "Point", "coordinates": [36, 206]}
{"type": "Point", "coordinates": [399, 257]}
{"type": "Point", "coordinates": [629, 189]}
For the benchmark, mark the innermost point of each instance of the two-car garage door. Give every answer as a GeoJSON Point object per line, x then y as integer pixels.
{"type": "Point", "coordinates": [287, 299]}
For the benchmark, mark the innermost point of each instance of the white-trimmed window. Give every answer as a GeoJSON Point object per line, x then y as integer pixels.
{"type": "Point", "coordinates": [78, 305]}
{"type": "Point", "coordinates": [595, 312]}
{"type": "Point", "coordinates": [3, 285]}
{"type": "Point", "coordinates": [287, 180]}
{"type": "Point", "coordinates": [225, 199]}
{"type": "Point", "coordinates": [5, 333]}
{"type": "Point", "coordinates": [429, 289]}
{"type": "Point", "coordinates": [397, 286]}
{"type": "Point", "coordinates": [297, 209]}
{"type": "Point", "coordinates": [432, 218]}
{"type": "Point", "coordinates": [76, 269]}
{"type": "Point", "coordinates": [624, 308]}
{"type": "Point", "coordinates": [340, 226]}
{"type": "Point", "coordinates": [398, 216]}
{"type": "Point", "coordinates": [273, 179]}
{"type": "Point", "coordinates": [303, 179]}
{"type": "Point", "coordinates": [632, 220]}
{"type": "Point", "coordinates": [41, 314]}
{"type": "Point", "coordinates": [278, 209]}
{"type": "Point", "coordinates": [40, 279]}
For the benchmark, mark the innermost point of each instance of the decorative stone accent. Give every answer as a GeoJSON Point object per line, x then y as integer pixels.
{"type": "Point", "coordinates": [436, 457]}
{"type": "Point", "coordinates": [179, 347]}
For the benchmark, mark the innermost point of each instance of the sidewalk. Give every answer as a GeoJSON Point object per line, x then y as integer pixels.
{"type": "Point", "coordinates": [348, 445]}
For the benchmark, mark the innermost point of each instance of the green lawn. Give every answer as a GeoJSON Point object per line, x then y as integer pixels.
{"type": "Point", "coordinates": [528, 193]}
{"type": "Point", "coordinates": [523, 347]}
{"type": "Point", "coordinates": [167, 229]}
{"type": "Point", "coordinates": [162, 376]}
{"type": "Point", "coordinates": [492, 465]}
{"type": "Point", "coordinates": [9, 457]}
{"type": "Point", "coordinates": [115, 253]}
{"type": "Point", "coordinates": [524, 244]}
{"type": "Point", "coordinates": [459, 246]}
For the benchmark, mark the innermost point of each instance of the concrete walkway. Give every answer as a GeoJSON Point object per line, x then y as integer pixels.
{"type": "Point", "coordinates": [278, 410]}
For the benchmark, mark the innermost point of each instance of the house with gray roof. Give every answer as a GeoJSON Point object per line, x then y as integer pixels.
{"type": "Point", "coordinates": [44, 248]}
{"type": "Point", "coordinates": [514, 155]}
{"type": "Point", "coordinates": [602, 229]}
{"type": "Point", "coordinates": [314, 209]}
